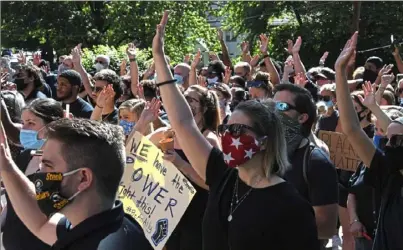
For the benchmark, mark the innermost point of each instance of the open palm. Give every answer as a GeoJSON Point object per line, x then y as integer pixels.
{"type": "Point", "coordinates": [369, 94]}
{"type": "Point", "coordinates": [347, 52]}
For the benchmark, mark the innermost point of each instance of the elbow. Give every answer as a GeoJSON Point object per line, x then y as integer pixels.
{"type": "Point", "coordinates": [327, 227]}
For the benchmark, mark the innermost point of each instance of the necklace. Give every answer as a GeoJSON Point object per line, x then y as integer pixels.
{"type": "Point", "coordinates": [237, 201]}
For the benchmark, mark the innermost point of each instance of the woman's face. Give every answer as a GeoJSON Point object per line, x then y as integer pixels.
{"type": "Point", "coordinates": [238, 117]}
{"type": "Point", "coordinates": [125, 114]}
{"type": "Point", "coordinates": [193, 99]}
{"type": "Point", "coordinates": [32, 122]}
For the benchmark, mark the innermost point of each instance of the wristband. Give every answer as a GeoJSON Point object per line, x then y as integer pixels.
{"type": "Point", "coordinates": [166, 82]}
{"type": "Point", "coordinates": [132, 59]}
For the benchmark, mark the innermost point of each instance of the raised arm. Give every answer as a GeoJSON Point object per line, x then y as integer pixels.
{"type": "Point", "coordinates": [295, 48]}
{"type": "Point", "coordinates": [195, 146]}
{"type": "Point", "coordinates": [12, 129]}
{"type": "Point", "coordinates": [348, 117]}
{"type": "Point", "coordinates": [134, 69]}
{"type": "Point", "coordinates": [76, 53]}
{"type": "Point", "coordinates": [274, 76]}
{"type": "Point", "coordinates": [225, 55]}
{"type": "Point", "coordinates": [398, 59]}
{"type": "Point", "coordinates": [193, 69]}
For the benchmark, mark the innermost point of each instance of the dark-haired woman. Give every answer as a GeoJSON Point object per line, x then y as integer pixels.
{"type": "Point", "coordinates": [35, 116]}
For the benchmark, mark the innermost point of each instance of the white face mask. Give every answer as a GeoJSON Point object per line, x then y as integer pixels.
{"type": "Point", "coordinates": [98, 67]}
{"type": "Point", "coordinates": [212, 80]}
{"type": "Point", "coordinates": [179, 79]}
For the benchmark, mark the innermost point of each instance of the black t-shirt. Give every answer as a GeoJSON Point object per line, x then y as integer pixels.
{"type": "Point", "coordinates": [104, 231]}
{"type": "Point", "coordinates": [386, 178]}
{"type": "Point", "coordinates": [80, 108]}
{"type": "Point", "coordinates": [266, 219]}
{"type": "Point", "coordinates": [321, 176]}
{"type": "Point", "coordinates": [328, 123]}
{"type": "Point", "coordinates": [112, 118]}
{"type": "Point", "coordinates": [367, 200]}
{"type": "Point", "coordinates": [16, 236]}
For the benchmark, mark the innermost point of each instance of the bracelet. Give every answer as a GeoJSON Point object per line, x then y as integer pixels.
{"type": "Point", "coordinates": [354, 221]}
{"type": "Point", "coordinates": [166, 82]}
{"type": "Point", "coordinates": [132, 59]}
{"type": "Point", "coordinates": [99, 106]}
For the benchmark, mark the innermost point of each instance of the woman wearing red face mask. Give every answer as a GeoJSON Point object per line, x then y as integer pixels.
{"type": "Point", "coordinates": [249, 205]}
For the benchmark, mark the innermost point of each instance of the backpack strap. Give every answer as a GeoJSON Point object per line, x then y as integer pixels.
{"type": "Point", "coordinates": [307, 158]}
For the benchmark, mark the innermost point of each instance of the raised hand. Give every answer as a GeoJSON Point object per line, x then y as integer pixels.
{"type": "Point", "coordinates": [347, 52]}
{"type": "Point", "coordinates": [369, 94]}
{"type": "Point", "coordinates": [186, 58]}
{"type": "Point", "coordinates": [37, 58]}
{"type": "Point", "coordinates": [196, 59]}
{"type": "Point", "coordinates": [227, 75]}
{"type": "Point", "coordinates": [76, 54]}
{"type": "Point", "coordinates": [245, 47]}
{"type": "Point", "coordinates": [387, 79]}
{"type": "Point", "coordinates": [22, 59]}
{"type": "Point", "coordinates": [101, 99]}
{"type": "Point", "coordinates": [264, 41]}
{"type": "Point", "coordinates": [202, 81]}
{"type": "Point", "coordinates": [110, 94]}
{"type": "Point", "coordinates": [150, 112]}
{"type": "Point", "coordinates": [385, 69]}
{"type": "Point", "coordinates": [158, 40]}
{"type": "Point", "coordinates": [131, 51]}
{"type": "Point", "coordinates": [297, 46]}
{"type": "Point", "coordinates": [288, 66]}
{"type": "Point", "coordinates": [254, 61]}
{"type": "Point", "coordinates": [322, 60]}
{"type": "Point", "coordinates": [300, 79]}
{"type": "Point", "coordinates": [290, 45]}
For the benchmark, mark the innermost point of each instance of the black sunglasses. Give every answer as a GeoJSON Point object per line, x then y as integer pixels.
{"type": "Point", "coordinates": [283, 106]}
{"type": "Point", "coordinates": [234, 129]}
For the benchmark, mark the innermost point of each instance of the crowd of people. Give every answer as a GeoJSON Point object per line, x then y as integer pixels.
{"type": "Point", "coordinates": [245, 135]}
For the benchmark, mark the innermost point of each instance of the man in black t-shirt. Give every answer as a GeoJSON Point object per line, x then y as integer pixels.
{"type": "Point", "coordinates": [70, 203]}
{"type": "Point", "coordinates": [318, 183]}
{"type": "Point", "coordinates": [68, 87]}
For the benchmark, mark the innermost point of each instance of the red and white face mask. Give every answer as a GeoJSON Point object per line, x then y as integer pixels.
{"type": "Point", "coordinates": [238, 148]}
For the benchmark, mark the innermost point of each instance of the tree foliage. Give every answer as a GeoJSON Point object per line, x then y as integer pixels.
{"type": "Point", "coordinates": [324, 26]}
{"type": "Point", "coordinates": [63, 24]}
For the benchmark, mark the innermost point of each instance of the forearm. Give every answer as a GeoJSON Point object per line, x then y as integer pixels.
{"type": "Point", "coordinates": [21, 193]}
{"type": "Point", "coordinates": [12, 130]}
{"type": "Point", "coordinates": [274, 76]}
{"type": "Point", "coordinates": [351, 207]}
{"type": "Point", "coordinates": [246, 57]}
{"type": "Point", "coordinates": [381, 116]}
{"type": "Point", "coordinates": [348, 116]}
{"type": "Point", "coordinates": [326, 220]}
{"type": "Point", "coordinates": [399, 62]}
{"type": "Point", "coordinates": [285, 77]}
{"type": "Point", "coordinates": [84, 76]}
{"type": "Point", "coordinates": [96, 113]}
{"type": "Point", "coordinates": [225, 55]}
{"type": "Point", "coordinates": [134, 78]}
{"type": "Point", "coordinates": [298, 65]}
{"type": "Point", "coordinates": [192, 76]}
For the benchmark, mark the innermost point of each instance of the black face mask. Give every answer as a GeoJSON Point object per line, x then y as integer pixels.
{"type": "Point", "coordinates": [369, 75]}
{"type": "Point", "coordinates": [20, 83]}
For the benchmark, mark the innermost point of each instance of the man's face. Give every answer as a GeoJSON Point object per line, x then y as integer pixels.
{"type": "Point", "coordinates": [257, 93]}
{"type": "Point", "coordinates": [240, 71]}
{"type": "Point", "coordinates": [322, 81]}
{"type": "Point", "coordinates": [371, 66]}
{"type": "Point", "coordinates": [182, 71]}
{"type": "Point", "coordinates": [98, 87]}
{"type": "Point", "coordinates": [64, 89]}
{"type": "Point", "coordinates": [102, 61]}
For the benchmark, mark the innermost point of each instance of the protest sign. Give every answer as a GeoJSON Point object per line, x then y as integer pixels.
{"type": "Point", "coordinates": [153, 191]}
{"type": "Point", "coordinates": [342, 153]}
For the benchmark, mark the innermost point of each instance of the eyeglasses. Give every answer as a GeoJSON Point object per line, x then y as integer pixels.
{"type": "Point", "coordinates": [255, 84]}
{"type": "Point", "coordinates": [283, 106]}
{"type": "Point", "coordinates": [234, 129]}
{"type": "Point", "coordinates": [324, 98]}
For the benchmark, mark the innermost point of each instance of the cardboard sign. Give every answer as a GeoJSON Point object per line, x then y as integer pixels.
{"type": "Point", "coordinates": [153, 191]}
{"type": "Point", "coordinates": [342, 153]}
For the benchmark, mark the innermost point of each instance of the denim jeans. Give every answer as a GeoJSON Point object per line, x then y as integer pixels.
{"type": "Point", "coordinates": [363, 244]}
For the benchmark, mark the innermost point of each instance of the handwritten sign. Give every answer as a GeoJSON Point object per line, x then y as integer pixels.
{"type": "Point", "coordinates": [153, 191]}
{"type": "Point", "coordinates": [342, 153]}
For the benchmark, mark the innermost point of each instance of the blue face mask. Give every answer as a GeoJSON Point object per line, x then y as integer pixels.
{"type": "Point", "coordinates": [329, 104]}
{"type": "Point", "coordinates": [380, 142]}
{"type": "Point", "coordinates": [179, 79]}
{"type": "Point", "coordinates": [29, 139]}
{"type": "Point", "coordinates": [127, 126]}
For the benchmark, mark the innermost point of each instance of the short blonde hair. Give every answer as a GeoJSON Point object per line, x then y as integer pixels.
{"type": "Point", "coordinates": [136, 106]}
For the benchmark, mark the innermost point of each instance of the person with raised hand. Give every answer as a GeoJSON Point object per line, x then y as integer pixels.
{"type": "Point", "coordinates": [246, 191]}
{"type": "Point", "coordinates": [384, 170]}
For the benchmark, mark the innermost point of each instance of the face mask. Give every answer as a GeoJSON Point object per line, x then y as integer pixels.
{"type": "Point", "coordinates": [329, 104]}
{"type": "Point", "coordinates": [20, 83]}
{"type": "Point", "coordinates": [380, 142]}
{"type": "Point", "coordinates": [369, 75]}
{"type": "Point", "coordinates": [292, 130]}
{"type": "Point", "coordinates": [48, 191]}
{"type": "Point", "coordinates": [238, 150]}
{"type": "Point", "coordinates": [359, 115]}
{"type": "Point", "coordinates": [179, 79]}
{"type": "Point", "coordinates": [212, 80]}
{"type": "Point", "coordinates": [29, 139]}
{"type": "Point", "coordinates": [98, 67]}
{"type": "Point", "coordinates": [127, 126]}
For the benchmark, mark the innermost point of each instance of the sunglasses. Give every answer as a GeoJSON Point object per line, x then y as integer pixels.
{"type": "Point", "coordinates": [324, 98]}
{"type": "Point", "coordinates": [255, 84]}
{"type": "Point", "coordinates": [234, 129]}
{"type": "Point", "coordinates": [283, 106]}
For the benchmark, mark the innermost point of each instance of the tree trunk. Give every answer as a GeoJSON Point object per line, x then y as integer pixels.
{"type": "Point", "coordinates": [355, 22]}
